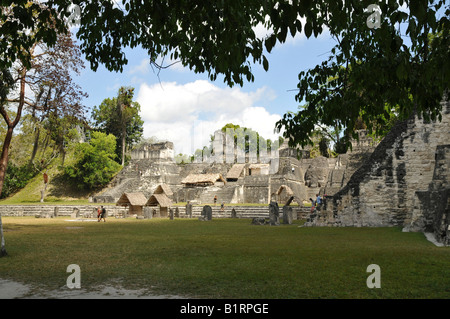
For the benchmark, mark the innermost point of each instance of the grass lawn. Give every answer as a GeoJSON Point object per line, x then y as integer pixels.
{"type": "Point", "coordinates": [58, 191]}
{"type": "Point", "coordinates": [47, 201]}
{"type": "Point", "coordinates": [225, 258]}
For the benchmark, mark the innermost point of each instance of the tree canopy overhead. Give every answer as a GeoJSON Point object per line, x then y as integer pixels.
{"type": "Point", "coordinates": [396, 62]}
{"type": "Point", "coordinates": [120, 116]}
{"type": "Point", "coordinates": [401, 66]}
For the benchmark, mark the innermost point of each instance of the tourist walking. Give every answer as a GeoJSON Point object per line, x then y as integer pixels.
{"type": "Point", "coordinates": [313, 204]}
{"type": "Point", "coordinates": [318, 201]}
{"type": "Point", "coordinates": [102, 214]}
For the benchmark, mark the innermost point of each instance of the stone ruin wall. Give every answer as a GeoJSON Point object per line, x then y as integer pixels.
{"type": "Point", "coordinates": [305, 176]}
{"type": "Point", "coordinates": [320, 175]}
{"type": "Point", "coordinates": [157, 151]}
{"type": "Point", "coordinates": [404, 183]}
{"type": "Point", "coordinates": [431, 211]}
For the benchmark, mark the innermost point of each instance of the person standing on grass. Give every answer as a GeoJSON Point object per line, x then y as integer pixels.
{"type": "Point", "coordinates": [102, 214]}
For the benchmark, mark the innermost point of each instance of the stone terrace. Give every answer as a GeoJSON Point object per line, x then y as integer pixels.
{"type": "Point", "coordinates": [89, 211]}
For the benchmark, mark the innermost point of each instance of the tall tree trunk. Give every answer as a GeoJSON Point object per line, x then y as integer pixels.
{"type": "Point", "coordinates": [63, 157]}
{"type": "Point", "coordinates": [2, 249]}
{"type": "Point", "coordinates": [3, 166]}
{"type": "Point", "coordinates": [7, 143]}
{"type": "Point", "coordinates": [5, 155]}
{"type": "Point", "coordinates": [35, 146]}
{"type": "Point", "coordinates": [124, 132]}
{"type": "Point", "coordinates": [46, 140]}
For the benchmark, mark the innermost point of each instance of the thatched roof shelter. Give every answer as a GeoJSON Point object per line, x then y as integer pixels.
{"type": "Point", "coordinates": [159, 200]}
{"type": "Point", "coordinates": [163, 189]}
{"type": "Point", "coordinates": [202, 179]}
{"type": "Point", "coordinates": [132, 199]}
{"type": "Point", "coordinates": [235, 171]}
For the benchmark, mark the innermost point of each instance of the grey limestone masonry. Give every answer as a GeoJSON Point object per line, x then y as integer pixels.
{"type": "Point", "coordinates": [152, 165]}
{"type": "Point", "coordinates": [71, 211]}
{"type": "Point", "coordinates": [274, 214]}
{"type": "Point", "coordinates": [404, 183]}
{"type": "Point", "coordinates": [186, 211]}
{"type": "Point", "coordinates": [287, 215]}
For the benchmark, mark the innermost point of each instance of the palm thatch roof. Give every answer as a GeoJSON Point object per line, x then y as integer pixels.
{"type": "Point", "coordinates": [235, 171]}
{"type": "Point", "coordinates": [163, 189]}
{"type": "Point", "coordinates": [159, 199]}
{"type": "Point", "coordinates": [202, 179]}
{"type": "Point", "coordinates": [132, 199]}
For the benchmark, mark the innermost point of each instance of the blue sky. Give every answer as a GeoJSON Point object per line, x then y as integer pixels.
{"type": "Point", "coordinates": [185, 108]}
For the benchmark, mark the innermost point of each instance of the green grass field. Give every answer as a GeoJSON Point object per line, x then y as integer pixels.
{"type": "Point", "coordinates": [225, 258]}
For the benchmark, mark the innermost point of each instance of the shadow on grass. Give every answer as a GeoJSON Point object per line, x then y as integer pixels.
{"type": "Point", "coordinates": [62, 188]}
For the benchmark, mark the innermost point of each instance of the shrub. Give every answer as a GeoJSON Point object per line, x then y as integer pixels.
{"type": "Point", "coordinates": [16, 178]}
{"type": "Point", "coordinates": [94, 164]}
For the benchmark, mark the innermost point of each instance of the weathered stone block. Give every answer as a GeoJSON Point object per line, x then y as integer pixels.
{"type": "Point", "coordinates": [207, 212]}
{"type": "Point", "coordinates": [274, 214]}
{"type": "Point", "coordinates": [258, 221]}
{"type": "Point", "coordinates": [287, 215]}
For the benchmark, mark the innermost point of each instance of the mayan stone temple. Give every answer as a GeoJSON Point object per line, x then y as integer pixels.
{"type": "Point", "coordinates": [405, 182]}
{"type": "Point", "coordinates": [402, 181]}
{"type": "Point", "coordinates": [282, 173]}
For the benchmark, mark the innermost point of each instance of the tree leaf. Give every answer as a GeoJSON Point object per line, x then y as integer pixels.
{"type": "Point", "coordinates": [308, 29]}
{"type": "Point", "coordinates": [265, 63]}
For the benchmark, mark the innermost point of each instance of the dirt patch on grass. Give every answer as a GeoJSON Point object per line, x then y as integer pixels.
{"type": "Point", "coordinates": [15, 290]}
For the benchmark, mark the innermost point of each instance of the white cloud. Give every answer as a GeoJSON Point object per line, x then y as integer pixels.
{"type": "Point", "coordinates": [142, 68]}
{"type": "Point", "coordinates": [188, 114]}
{"type": "Point", "coordinates": [263, 32]}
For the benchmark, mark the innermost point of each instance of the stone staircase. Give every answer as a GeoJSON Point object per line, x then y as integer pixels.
{"type": "Point", "coordinates": [125, 185]}
{"type": "Point", "coordinates": [139, 176]}
{"type": "Point", "coordinates": [224, 194]}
